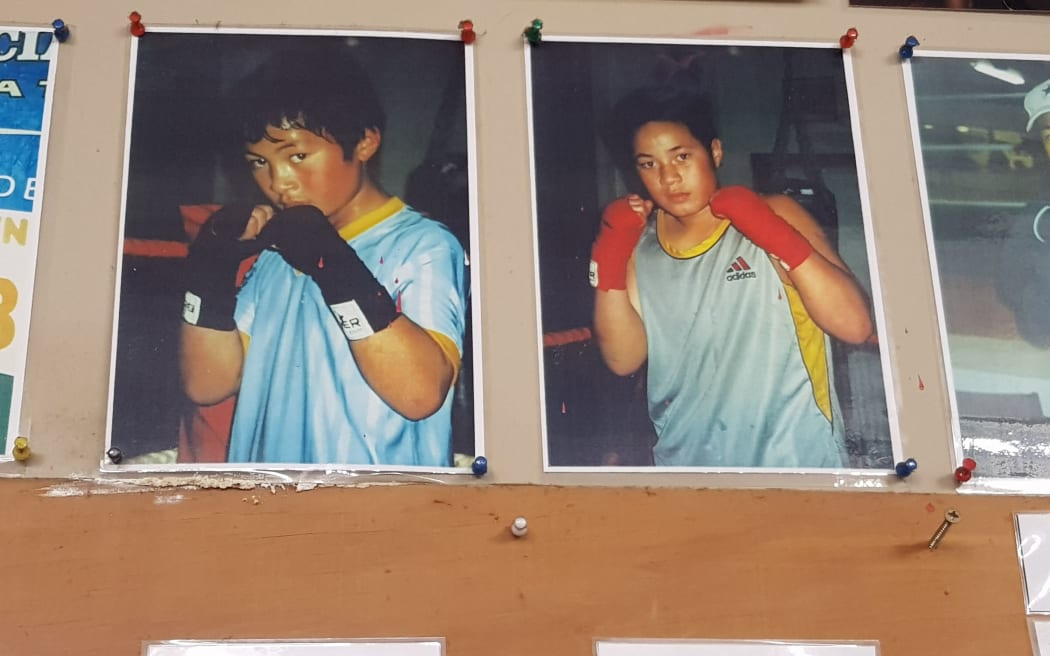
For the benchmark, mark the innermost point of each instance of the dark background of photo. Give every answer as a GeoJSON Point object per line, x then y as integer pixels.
{"type": "Point", "coordinates": [174, 158]}
{"type": "Point", "coordinates": [986, 178]}
{"type": "Point", "coordinates": [783, 116]}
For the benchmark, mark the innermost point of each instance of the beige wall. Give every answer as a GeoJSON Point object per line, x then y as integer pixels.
{"type": "Point", "coordinates": [68, 370]}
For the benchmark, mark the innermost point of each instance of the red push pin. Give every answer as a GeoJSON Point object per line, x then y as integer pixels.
{"type": "Point", "coordinates": [964, 472]}
{"type": "Point", "coordinates": [466, 31]}
{"type": "Point", "coordinates": [849, 38]}
{"type": "Point", "coordinates": [136, 28]}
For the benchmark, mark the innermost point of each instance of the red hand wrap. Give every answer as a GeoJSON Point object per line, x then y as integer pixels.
{"type": "Point", "coordinates": [753, 217]}
{"type": "Point", "coordinates": [617, 237]}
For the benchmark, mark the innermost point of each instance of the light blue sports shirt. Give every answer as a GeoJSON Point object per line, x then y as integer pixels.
{"type": "Point", "coordinates": [302, 397]}
{"type": "Point", "coordinates": [739, 374]}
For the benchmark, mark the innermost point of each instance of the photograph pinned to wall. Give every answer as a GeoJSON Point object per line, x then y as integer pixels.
{"type": "Point", "coordinates": [386, 647]}
{"type": "Point", "coordinates": [298, 273]}
{"type": "Point", "coordinates": [697, 205]}
{"type": "Point", "coordinates": [732, 648]}
{"type": "Point", "coordinates": [981, 132]}
{"type": "Point", "coordinates": [28, 60]}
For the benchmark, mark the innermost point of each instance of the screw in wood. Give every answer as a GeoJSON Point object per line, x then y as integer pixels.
{"type": "Point", "coordinates": [950, 517]}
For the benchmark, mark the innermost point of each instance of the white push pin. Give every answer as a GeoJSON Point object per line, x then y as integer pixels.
{"type": "Point", "coordinates": [519, 528]}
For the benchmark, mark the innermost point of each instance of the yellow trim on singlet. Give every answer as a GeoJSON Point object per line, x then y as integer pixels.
{"type": "Point", "coordinates": [372, 218]}
{"type": "Point", "coordinates": [814, 353]}
{"type": "Point", "coordinates": [692, 251]}
{"type": "Point", "coordinates": [449, 348]}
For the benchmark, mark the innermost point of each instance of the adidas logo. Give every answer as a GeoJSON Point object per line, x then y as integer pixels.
{"type": "Point", "coordinates": [739, 270]}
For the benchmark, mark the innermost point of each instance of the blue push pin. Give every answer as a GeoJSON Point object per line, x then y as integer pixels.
{"type": "Point", "coordinates": [907, 50]}
{"type": "Point", "coordinates": [480, 466]}
{"type": "Point", "coordinates": [61, 30]}
{"type": "Point", "coordinates": [906, 468]}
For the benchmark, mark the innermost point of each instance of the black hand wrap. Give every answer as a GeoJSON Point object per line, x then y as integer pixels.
{"type": "Point", "coordinates": [211, 267]}
{"type": "Point", "coordinates": [303, 236]}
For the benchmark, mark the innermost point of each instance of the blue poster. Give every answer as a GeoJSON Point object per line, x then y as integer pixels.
{"type": "Point", "coordinates": [24, 63]}
{"type": "Point", "coordinates": [27, 68]}
{"type": "Point", "coordinates": [25, 60]}
{"type": "Point", "coordinates": [18, 160]}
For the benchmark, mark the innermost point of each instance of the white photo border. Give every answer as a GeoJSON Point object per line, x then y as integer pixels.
{"type": "Point", "coordinates": [979, 483]}
{"type": "Point", "coordinates": [839, 477]}
{"type": "Point", "coordinates": [273, 471]}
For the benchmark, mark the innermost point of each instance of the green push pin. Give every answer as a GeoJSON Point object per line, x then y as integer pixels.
{"type": "Point", "coordinates": [532, 32]}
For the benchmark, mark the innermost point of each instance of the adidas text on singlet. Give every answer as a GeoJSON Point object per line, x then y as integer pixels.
{"type": "Point", "coordinates": [738, 373]}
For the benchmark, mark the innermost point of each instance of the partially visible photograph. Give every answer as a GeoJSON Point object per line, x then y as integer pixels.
{"type": "Point", "coordinates": [959, 5]}
{"type": "Point", "coordinates": [981, 126]}
{"type": "Point", "coordinates": [296, 279]}
{"type": "Point", "coordinates": [708, 292]}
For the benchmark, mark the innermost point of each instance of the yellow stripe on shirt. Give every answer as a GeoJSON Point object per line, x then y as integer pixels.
{"type": "Point", "coordinates": [814, 353]}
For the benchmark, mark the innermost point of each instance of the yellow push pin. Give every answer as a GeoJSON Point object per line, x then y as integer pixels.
{"type": "Point", "coordinates": [20, 451]}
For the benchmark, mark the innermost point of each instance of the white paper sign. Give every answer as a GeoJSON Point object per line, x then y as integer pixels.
{"type": "Point", "coordinates": [28, 58]}
{"type": "Point", "coordinates": [1033, 549]}
{"type": "Point", "coordinates": [732, 648]}
{"type": "Point", "coordinates": [1040, 630]}
{"type": "Point", "coordinates": [302, 648]}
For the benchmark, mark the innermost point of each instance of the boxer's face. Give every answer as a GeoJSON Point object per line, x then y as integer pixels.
{"type": "Point", "coordinates": [677, 170]}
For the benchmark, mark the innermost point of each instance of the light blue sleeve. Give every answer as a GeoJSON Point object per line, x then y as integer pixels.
{"type": "Point", "coordinates": [433, 289]}
{"type": "Point", "coordinates": [248, 297]}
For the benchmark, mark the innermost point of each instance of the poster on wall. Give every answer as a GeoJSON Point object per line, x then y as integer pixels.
{"type": "Point", "coordinates": [981, 132]}
{"type": "Point", "coordinates": [430, 647]}
{"type": "Point", "coordinates": [731, 648]}
{"type": "Point", "coordinates": [298, 273]}
{"type": "Point", "coordinates": [708, 292]}
{"type": "Point", "coordinates": [28, 59]}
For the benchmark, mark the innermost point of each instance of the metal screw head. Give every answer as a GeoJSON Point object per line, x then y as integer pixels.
{"type": "Point", "coordinates": [950, 517]}
{"type": "Point", "coordinates": [115, 455]}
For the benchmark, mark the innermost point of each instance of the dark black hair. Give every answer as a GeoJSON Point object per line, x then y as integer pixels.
{"type": "Point", "coordinates": [311, 83]}
{"type": "Point", "coordinates": [665, 103]}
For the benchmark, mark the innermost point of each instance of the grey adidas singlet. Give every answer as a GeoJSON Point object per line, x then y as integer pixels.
{"type": "Point", "coordinates": [728, 383]}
